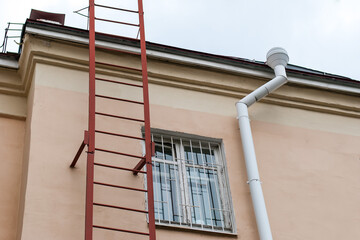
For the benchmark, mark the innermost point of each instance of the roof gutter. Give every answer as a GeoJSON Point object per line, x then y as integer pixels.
{"type": "Point", "coordinates": [277, 59]}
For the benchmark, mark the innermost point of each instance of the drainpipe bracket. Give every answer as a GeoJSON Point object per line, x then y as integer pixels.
{"type": "Point", "coordinates": [255, 179]}
{"type": "Point", "coordinates": [242, 116]}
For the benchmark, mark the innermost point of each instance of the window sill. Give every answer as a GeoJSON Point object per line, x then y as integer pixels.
{"type": "Point", "coordinates": [199, 230]}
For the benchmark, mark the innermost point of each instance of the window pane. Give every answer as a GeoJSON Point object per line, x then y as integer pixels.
{"type": "Point", "coordinates": [203, 156]}
{"type": "Point", "coordinates": [165, 192]}
{"type": "Point", "coordinates": [163, 151]}
{"type": "Point", "coordinates": [196, 195]}
{"type": "Point", "coordinates": [213, 187]}
{"type": "Point", "coordinates": [203, 185]}
{"type": "Point", "coordinates": [204, 197]}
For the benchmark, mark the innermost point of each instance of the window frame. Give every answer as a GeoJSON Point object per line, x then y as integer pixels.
{"type": "Point", "coordinates": [223, 187]}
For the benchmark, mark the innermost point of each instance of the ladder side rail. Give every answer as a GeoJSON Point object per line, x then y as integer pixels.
{"type": "Point", "coordinates": [149, 175]}
{"type": "Point", "coordinates": [91, 128]}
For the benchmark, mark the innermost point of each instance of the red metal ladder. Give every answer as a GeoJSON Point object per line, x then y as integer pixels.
{"type": "Point", "coordinates": [89, 138]}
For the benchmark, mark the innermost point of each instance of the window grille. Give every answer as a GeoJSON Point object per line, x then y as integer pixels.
{"type": "Point", "coordinates": [190, 184]}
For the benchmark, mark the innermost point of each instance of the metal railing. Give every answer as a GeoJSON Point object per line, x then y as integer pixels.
{"type": "Point", "coordinates": [15, 30]}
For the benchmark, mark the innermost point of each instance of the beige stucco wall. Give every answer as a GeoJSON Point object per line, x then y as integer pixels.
{"type": "Point", "coordinates": [12, 132]}
{"type": "Point", "coordinates": [11, 149]}
{"type": "Point", "coordinates": [305, 139]}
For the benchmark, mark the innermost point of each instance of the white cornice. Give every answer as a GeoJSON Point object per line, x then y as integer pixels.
{"type": "Point", "coordinates": [323, 85]}
{"type": "Point", "coordinates": [194, 61]}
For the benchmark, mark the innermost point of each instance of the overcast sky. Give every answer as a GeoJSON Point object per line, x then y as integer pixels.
{"type": "Point", "coordinates": [318, 34]}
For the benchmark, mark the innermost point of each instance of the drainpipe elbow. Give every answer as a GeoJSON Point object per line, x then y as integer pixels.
{"type": "Point", "coordinates": [241, 108]}
{"type": "Point", "coordinates": [247, 101]}
{"type": "Point", "coordinates": [280, 71]}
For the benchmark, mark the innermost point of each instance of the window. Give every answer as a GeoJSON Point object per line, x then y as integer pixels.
{"type": "Point", "coordinates": [190, 183]}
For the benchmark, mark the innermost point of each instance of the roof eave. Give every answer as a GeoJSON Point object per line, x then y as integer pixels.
{"type": "Point", "coordinates": [231, 64]}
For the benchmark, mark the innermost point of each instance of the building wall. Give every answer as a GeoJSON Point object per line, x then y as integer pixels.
{"type": "Point", "coordinates": [305, 140]}
{"type": "Point", "coordinates": [11, 148]}
{"type": "Point", "coordinates": [12, 132]}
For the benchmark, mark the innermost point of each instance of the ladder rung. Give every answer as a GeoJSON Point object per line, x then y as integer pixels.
{"type": "Point", "coordinates": [124, 83]}
{"type": "Point", "coordinates": [112, 21]}
{"type": "Point", "coordinates": [119, 66]}
{"type": "Point", "coordinates": [119, 99]}
{"type": "Point", "coordinates": [116, 36]}
{"type": "Point", "coordinates": [119, 153]}
{"type": "Point", "coordinates": [121, 230]}
{"type": "Point", "coordinates": [123, 187]}
{"type": "Point", "coordinates": [122, 208]}
{"type": "Point", "coordinates": [120, 168]}
{"type": "Point", "coordinates": [116, 116]}
{"type": "Point", "coordinates": [120, 9]}
{"type": "Point", "coordinates": [120, 135]}
{"type": "Point", "coordinates": [118, 50]}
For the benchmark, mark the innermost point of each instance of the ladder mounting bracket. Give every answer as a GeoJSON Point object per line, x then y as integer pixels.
{"type": "Point", "coordinates": [81, 149]}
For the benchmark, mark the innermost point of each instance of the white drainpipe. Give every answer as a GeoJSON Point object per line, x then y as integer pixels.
{"type": "Point", "coordinates": [277, 59]}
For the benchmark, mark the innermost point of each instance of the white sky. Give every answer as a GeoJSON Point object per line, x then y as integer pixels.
{"type": "Point", "coordinates": [319, 34]}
